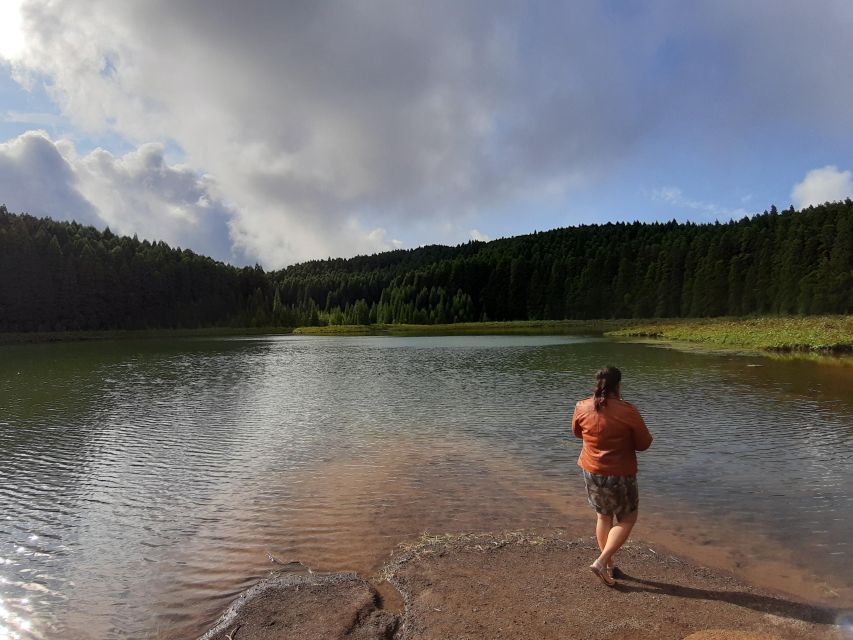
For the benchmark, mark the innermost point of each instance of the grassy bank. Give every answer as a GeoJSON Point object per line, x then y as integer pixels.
{"type": "Point", "coordinates": [808, 334]}
{"type": "Point", "coordinates": [813, 334]}
{"type": "Point", "coordinates": [818, 334]}
{"type": "Point", "coordinates": [520, 328]}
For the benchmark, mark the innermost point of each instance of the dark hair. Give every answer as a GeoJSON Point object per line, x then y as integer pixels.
{"type": "Point", "coordinates": [606, 383]}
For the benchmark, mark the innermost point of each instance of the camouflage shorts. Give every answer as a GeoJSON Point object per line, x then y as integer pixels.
{"type": "Point", "coordinates": [616, 495]}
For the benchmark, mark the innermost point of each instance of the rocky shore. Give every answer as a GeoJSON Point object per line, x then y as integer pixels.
{"type": "Point", "coordinates": [524, 586]}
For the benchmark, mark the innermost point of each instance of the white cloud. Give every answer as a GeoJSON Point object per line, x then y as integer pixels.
{"type": "Point", "coordinates": [11, 34]}
{"type": "Point", "coordinates": [310, 115]}
{"type": "Point", "coordinates": [134, 193]}
{"type": "Point", "coordinates": [826, 184]}
{"type": "Point", "coordinates": [379, 240]}
{"type": "Point", "coordinates": [675, 197]}
{"type": "Point", "coordinates": [325, 122]}
{"type": "Point", "coordinates": [35, 178]}
{"type": "Point", "coordinates": [139, 192]}
{"type": "Point", "coordinates": [36, 118]}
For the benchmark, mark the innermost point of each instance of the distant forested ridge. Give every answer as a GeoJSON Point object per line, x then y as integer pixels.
{"type": "Point", "coordinates": [61, 276]}
{"type": "Point", "coordinates": [772, 263]}
{"type": "Point", "coordinates": [65, 276]}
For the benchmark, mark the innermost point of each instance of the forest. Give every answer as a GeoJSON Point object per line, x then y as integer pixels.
{"type": "Point", "coordinates": [62, 276]}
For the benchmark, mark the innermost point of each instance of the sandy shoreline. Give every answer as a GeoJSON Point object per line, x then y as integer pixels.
{"type": "Point", "coordinates": [521, 585]}
{"type": "Point", "coordinates": [354, 532]}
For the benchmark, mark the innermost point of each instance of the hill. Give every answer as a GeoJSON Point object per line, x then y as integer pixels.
{"type": "Point", "coordinates": [796, 262]}
{"type": "Point", "coordinates": [60, 276]}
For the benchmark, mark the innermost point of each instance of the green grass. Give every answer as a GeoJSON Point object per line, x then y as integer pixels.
{"type": "Point", "coordinates": [820, 334]}
{"type": "Point", "coordinates": [797, 334]}
{"type": "Point", "coordinates": [522, 328]}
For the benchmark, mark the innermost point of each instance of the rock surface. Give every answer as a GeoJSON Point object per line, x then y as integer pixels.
{"type": "Point", "coordinates": [308, 607]}
{"type": "Point", "coordinates": [522, 586]}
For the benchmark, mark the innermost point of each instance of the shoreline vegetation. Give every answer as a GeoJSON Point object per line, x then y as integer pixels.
{"type": "Point", "coordinates": [797, 335]}
{"type": "Point", "coordinates": [508, 328]}
{"type": "Point", "coordinates": [825, 335]}
{"type": "Point", "coordinates": [63, 276]}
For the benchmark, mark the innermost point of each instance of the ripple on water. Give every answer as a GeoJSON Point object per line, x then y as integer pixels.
{"type": "Point", "coordinates": [157, 477]}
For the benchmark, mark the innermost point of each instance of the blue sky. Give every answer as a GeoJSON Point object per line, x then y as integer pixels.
{"type": "Point", "coordinates": [279, 132]}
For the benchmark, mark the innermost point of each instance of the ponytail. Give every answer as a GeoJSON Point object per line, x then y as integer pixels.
{"type": "Point", "coordinates": [606, 383]}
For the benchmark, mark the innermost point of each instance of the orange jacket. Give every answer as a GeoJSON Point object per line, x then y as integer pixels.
{"type": "Point", "coordinates": [610, 437]}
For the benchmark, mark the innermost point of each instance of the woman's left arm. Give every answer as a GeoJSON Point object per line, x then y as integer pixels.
{"type": "Point", "coordinates": [642, 437]}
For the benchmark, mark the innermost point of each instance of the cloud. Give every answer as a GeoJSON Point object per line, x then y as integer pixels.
{"type": "Point", "coordinates": [325, 122]}
{"type": "Point", "coordinates": [675, 197]}
{"type": "Point", "coordinates": [136, 193]}
{"type": "Point", "coordinates": [139, 192]}
{"type": "Point", "coordinates": [36, 118]}
{"type": "Point", "coordinates": [36, 178]}
{"type": "Point", "coordinates": [11, 38]}
{"type": "Point", "coordinates": [726, 70]}
{"type": "Point", "coordinates": [826, 184]}
{"type": "Point", "coordinates": [475, 234]}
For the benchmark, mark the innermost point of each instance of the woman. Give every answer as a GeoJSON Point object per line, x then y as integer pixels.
{"type": "Point", "coordinates": [612, 431]}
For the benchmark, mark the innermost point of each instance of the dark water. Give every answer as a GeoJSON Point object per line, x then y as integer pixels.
{"type": "Point", "coordinates": [143, 484]}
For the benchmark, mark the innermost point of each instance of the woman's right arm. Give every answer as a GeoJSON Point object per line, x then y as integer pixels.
{"type": "Point", "coordinates": [576, 425]}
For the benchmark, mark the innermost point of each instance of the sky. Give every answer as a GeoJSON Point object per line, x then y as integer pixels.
{"type": "Point", "coordinates": [275, 132]}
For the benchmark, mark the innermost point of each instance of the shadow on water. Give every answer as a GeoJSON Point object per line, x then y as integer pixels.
{"type": "Point", "coordinates": [763, 604]}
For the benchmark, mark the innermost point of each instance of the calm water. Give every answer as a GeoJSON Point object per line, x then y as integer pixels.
{"type": "Point", "coordinates": [143, 484]}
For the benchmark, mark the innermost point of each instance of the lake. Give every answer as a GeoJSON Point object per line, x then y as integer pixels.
{"type": "Point", "coordinates": [146, 483]}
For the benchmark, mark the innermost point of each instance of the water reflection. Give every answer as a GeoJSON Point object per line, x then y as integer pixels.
{"type": "Point", "coordinates": [14, 622]}
{"type": "Point", "coordinates": [145, 483]}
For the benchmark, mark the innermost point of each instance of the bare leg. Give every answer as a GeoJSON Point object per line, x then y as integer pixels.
{"type": "Point", "coordinates": [602, 529]}
{"type": "Point", "coordinates": [618, 535]}
{"type": "Point", "coordinates": [603, 526]}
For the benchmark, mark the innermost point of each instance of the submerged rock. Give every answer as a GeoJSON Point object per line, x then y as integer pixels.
{"type": "Point", "coordinates": [523, 586]}
{"type": "Point", "coordinates": [308, 607]}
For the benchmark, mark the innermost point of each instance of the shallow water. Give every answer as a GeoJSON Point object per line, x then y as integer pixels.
{"type": "Point", "coordinates": [144, 483]}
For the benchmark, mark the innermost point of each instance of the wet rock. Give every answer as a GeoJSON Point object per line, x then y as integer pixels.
{"type": "Point", "coordinates": [523, 586]}
{"type": "Point", "coordinates": [307, 607]}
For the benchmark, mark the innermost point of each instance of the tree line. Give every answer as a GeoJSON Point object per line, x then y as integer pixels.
{"type": "Point", "coordinates": [66, 276]}
{"type": "Point", "coordinates": [63, 276]}
{"type": "Point", "coordinates": [794, 262]}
